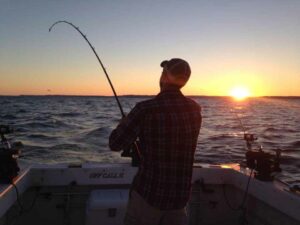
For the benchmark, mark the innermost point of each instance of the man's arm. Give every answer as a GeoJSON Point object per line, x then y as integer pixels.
{"type": "Point", "coordinates": [127, 131]}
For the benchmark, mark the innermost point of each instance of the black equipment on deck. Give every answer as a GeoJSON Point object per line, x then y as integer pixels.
{"type": "Point", "coordinates": [264, 164]}
{"type": "Point", "coordinates": [8, 157]}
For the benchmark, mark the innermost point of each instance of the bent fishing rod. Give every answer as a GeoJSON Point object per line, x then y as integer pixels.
{"type": "Point", "coordinates": [101, 64]}
{"type": "Point", "coordinates": [135, 154]}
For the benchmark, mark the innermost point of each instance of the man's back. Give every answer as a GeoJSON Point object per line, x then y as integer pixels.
{"type": "Point", "coordinates": [168, 127]}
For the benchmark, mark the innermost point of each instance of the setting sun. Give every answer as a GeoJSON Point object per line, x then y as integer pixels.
{"type": "Point", "coordinates": [239, 93]}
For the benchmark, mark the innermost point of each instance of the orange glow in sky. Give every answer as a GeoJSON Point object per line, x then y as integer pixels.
{"type": "Point", "coordinates": [226, 44]}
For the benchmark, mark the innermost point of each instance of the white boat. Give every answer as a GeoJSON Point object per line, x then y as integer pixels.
{"type": "Point", "coordinates": [92, 193]}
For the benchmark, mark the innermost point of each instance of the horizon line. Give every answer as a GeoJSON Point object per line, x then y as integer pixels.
{"type": "Point", "coordinates": [141, 95]}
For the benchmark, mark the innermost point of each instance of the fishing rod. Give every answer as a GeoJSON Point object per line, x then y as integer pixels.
{"type": "Point", "coordinates": [101, 64]}
{"type": "Point", "coordinates": [135, 153]}
{"type": "Point", "coordinates": [264, 163]}
{"type": "Point", "coordinates": [261, 163]}
{"type": "Point", "coordinates": [241, 123]}
{"type": "Point", "coordinates": [248, 137]}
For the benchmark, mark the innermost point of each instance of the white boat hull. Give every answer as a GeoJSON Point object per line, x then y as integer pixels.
{"type": "Point", "coordinates": [62, 193]}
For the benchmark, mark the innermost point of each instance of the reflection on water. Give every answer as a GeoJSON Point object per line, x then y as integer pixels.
{"type": "Point", "coordinates": [68, 129]}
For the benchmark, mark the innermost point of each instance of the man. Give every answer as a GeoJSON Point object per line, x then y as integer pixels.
{"type": "Point", "coordinates": [167, 127]}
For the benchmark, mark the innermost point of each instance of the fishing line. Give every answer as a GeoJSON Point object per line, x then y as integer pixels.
{"type": "Point", "coordinates": [242, 206]}
{"type": "Point", "coordinates": [18, 198]}
{"type": "Point", "coordinates": [240, 121]}
{"type": "Point", "coordinates": [242, 126]}
{"type": "Point", "coordinates": [22, 210]}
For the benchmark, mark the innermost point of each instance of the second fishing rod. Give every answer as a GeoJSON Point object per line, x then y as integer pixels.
{"type": "Point", "coordinates": [134, 150]}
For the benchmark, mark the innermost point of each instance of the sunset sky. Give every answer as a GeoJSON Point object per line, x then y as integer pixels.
{"type": "Point", "coordinates": [253, 44]}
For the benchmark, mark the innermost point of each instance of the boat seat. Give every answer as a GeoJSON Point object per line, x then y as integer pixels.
{"type": "Point", "coordinates": [106, 206]}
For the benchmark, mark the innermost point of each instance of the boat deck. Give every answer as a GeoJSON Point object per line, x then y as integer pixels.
{"type": "Point", "coordinates": [60, 194]}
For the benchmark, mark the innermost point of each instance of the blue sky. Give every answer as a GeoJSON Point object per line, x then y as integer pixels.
{"type": "Point", "coordinates": [228, 43]}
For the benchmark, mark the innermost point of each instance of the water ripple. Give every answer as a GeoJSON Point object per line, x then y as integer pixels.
{"type": "Point", "coordinates": [63, 129]}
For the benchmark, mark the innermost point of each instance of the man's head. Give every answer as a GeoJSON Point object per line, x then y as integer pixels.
{"type": "Point", "coordinates": [176, 72]}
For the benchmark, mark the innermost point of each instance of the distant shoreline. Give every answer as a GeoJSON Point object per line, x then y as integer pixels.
{"type": "Point", "coordinates": [141, 96]}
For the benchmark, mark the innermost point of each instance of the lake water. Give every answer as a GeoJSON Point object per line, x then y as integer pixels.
{"type": "Point", "coordinates": [70, 129]}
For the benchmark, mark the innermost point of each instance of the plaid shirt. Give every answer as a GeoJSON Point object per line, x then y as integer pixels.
{"type": "Point", "coordinates": [167, 127]}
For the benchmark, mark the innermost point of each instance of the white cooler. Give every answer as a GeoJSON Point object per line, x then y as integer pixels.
{"type": "Point", "coordinates": [106, 207]}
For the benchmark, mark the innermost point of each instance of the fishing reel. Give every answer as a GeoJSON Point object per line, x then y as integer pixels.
{"type": "Point", "coordinates": [133, 153]}
{"type": "Point", "coordinates": [263, 163]}
{"type": "Point", "coordinates": [8, 157]}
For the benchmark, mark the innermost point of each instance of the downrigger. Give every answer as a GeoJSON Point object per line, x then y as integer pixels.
{"type": "Point", "coordinates": [263, 163]}
{"type": "Point", "coordinates": [8, 157]}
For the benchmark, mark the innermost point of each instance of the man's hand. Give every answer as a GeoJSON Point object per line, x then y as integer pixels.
{"type": "Point", "coordinates": [123, 120]}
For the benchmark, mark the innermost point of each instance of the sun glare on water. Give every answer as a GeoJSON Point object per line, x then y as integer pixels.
{"type": "Point", "coordinates": [239, 93]}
